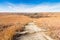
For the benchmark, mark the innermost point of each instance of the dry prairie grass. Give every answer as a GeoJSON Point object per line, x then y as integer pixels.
{"type": "Point", "coordinates": [16, 22]}
{"type": "Point", "coordinates": [52, 23]}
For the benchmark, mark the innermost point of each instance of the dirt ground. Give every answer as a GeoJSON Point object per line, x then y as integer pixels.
{"type": "Point", "coordinates": [10, 23]}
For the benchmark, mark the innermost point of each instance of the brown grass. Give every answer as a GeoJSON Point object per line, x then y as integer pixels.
{"type": "Point", "coordinates": [17, 21]}
{"type": "Point", "coordinates": [51, 21]}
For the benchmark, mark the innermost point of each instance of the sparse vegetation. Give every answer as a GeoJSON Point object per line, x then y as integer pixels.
{"type": "Point", "coordinates": [12, 22]}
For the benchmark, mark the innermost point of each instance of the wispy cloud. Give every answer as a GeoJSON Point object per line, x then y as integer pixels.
{"type": "Point", "coordinates": [31, 8]}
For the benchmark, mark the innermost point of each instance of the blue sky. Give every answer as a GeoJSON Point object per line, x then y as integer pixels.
{"type": "Point", "coordinates": [29, 5]}
{"type": "Point", "coordinates": [29, 1]}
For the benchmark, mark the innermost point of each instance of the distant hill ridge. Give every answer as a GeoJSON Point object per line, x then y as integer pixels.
{"type": "Point", "coordinates": [33, 15]}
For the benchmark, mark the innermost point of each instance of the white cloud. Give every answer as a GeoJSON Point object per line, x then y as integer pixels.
{"type": "Point", "coordinates": [31, 8]}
